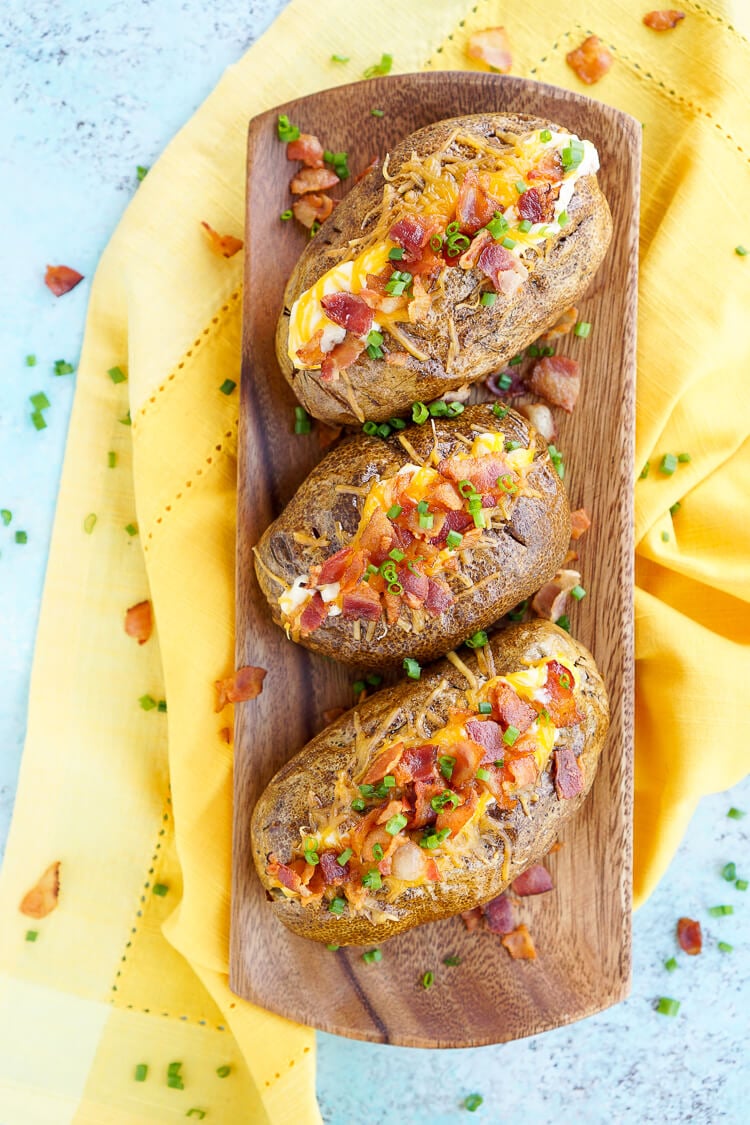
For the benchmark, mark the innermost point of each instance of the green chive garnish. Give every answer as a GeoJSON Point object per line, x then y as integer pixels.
{"type": "Point", "coordinates": [395, 824]}
{"type": "Point", "coordinates": [578, 592]}
{"type": "Point", "coordinates": [31, 361]}
{"type": "Point", "coordinates": [38, 419]}
{"type": "Point", "coordinates": [126, 421]}
{"type": "Point", "coordinates": [21, 537]}
{"type": "Point", "coordinates": [32, 935]}
{"type": "Point", "coordinates": [337, 906]}
{"type": "Point", "coordinates": [372, 956]}
{"type": "Point", "coordinates": [582, 329]}
{"type": "Point", "coordinates": [286, 131]}
{"type": "Point", "coordinates": [453, 540]}
{"type": "Point", "coordinates": [419, 413]}
{"type": "Point", "coordinates": [473, 1102]}
{"type": "Point", "coordinates": [383, 67]}
{"type": "Point", "coordinates": [6, 516]}
{"type": "Point", "coordinates": [485, 708]}
{"type": "Point", "coordinates": [719, 911]}
{"type": "Point", "coordinates": [340, 58]}
{"type": "Point", "coordinates": [63, 368]}
{"type": "Point", "coordinates": [684, 458]}
{"type": "Point", "coordinates": [488, 299]}
{"type": "Point", "coordinates": [508, 243]}
{"type": "Point", "coordinates": [665, 536]}
{"type": "Point", "coordinates": [195, 1112]}
{"type": "Point", "coordinates": [447, 765]}
{"type": "Point", "coordinates": [132, 529]}
{"type": "Point", "coordinates": [545, 136]}
{"type": "Point", "coordinates": [374, 680]}
{"type": "Point", "coordinates": [223, 1071]}
{"type": "Point", "coordinates": [377, 112]}
{"type": "Point", "coordinates": [141, 1071]}
{"type": "Point", "coordinates": [452, 960]}
{"type": "Point", "coordinates": [161, 706]}
{"type": "Point", "coordinates": [725, 947]}
{"type": "Point", "coordinates": [562, 219]}
{"type": "Point", "coordinates": [413, 669]}
{"type": "Point", "coordinates": [141, 172]}
{"type": "Point", "coordinates": [520, 187]}
{"type": "Point", "coordinates": [111, 459]}
{"type": "Point", "coordinates": [147, 702]}
{"type": "Point", "coordinates": [371, 879]}
{"type": "Point", "coordinates": [377, 852]}
{"type": "Point", "coordinates": [741, 884]}
{"type": "Point", "coordinates": [564, 622]}
{"type": "Point", "coordinates": [478, 640]}
{"type": "Point", "coordinates": [511, 735]}
{"type": "Point", "coordinates": [668, 1007]}
{"type": "Point", "coordinates": [428, 979]}
{"type": "Point", "coordinates": [668, 464]}
{"type": "Point", "coordinates": [344, 858]}
{"type": "Point", "coordinates": [499, 410]}
{"type": "Point", "coordinates": [644, 471]}
{"type": "Point", "coordinates": [89, 523]}
{"type": "Point", "coordinates": [117, 375]}
{"type": "Point", "coordinates": [332, 947]}
{"type": "Point", "coordinates": [671, 964]}
{"type": "Point", "coordinates": [735, 814]}
{"type": "Point", "coordinates": [39, 401]}
{"type": "Point", "coordinates": [741, 251]}
{"type": "Point", "coordinates": [729, 872]}
{"type": "Point", "coordinates": [483, 774]}
{"type": "Point", "coordinates": [160, 889]}
{"type": "Point", "coordinates": [227, 386]}
{"type": "Point", "coordinates": [674, 508]}
{"type": "Point", "coordinates": [302, 423]}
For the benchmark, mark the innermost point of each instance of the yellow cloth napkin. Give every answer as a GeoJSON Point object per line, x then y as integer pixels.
{"type": "Point", "coordinates": [131, 800]}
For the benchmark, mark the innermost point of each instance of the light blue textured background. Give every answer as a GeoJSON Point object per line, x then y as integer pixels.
{"type": "Point", "coordinates": [88, 91]}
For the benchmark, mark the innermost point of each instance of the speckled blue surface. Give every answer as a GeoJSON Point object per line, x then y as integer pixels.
{"type": "Point", "coordinates": [89, 91]}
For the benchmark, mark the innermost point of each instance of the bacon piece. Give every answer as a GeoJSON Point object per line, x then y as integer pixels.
{"type": "Point", "coordinates": [475, 207]}
{"type": "Point", "coordinates": [551, 601]}
{"type": "Point", "coordinates": [412, 233]}
{"type": "Point", "coordinates": [549, 168]}
{"type": "Point", "coordinates": [285, 875]}
{"type": "Point", "coordinates": [445, 495]}
{"type": "Point", "coordinates": [504, 270]}
{"type": "Point", "coordinates": [393, 808]}
{"type": "Point", "coordinates": [383, 764]}
{"type": "Point", "coordinates": [333, 568]}
{"type": "Point", "coordinates": [439, 596]}
{"type": "Point", "coordinates": [340, 357]}
{"type": "Point", "coordinates": [313, 179]}
{"type": "Point", "coordinates": [561, 327]}
{"type": "Point", "coordinates": [418, 763]}
{"type": "Point", "coordinates": [311, 353]}
{"type": "Point", "coordinates": [580, 522]}
{"type": "Point", "coordinates": [524, 771]}
{"type": "Point", "coordinates": [61, 279]}
{"type": "Point", "coordinates": [519, 944]}
{"type": "Point", "coordinates": [557, 379]}
{"type": "Point", "coordinates": [492, 47]}
{"type": "Point", "coordinates": [469, 258]}
{"type": "Point", "coordinates": [349, 312]}
{"type": "Point", "coordinates": [432, 871]}
{"type": "Point", "coordinates": [41, 900]}
{"type": "Point", "coordinates": [540, 417]}
{"type": "Point", "coordinates": [537, 204]}
{"type": "Point", "coordinates": [354, 571]}
{"type": "Point", "coordinates": [455, 819]}
{"type": "Point", "coordinates": [416, 584]}
{"type": "Point", "coordinates": [225, 734]}
{"type": "Point", "coordinates": [392, 603]}
{"type": "Point", "coordinates": [421, 303]}
{"type": "Point", "coordinates": [367, 169]}
{"type": "Point", "coordinates": [333, 871]}
{"type": "Point", "coordinates": [244, 684]}
{"type": "Point", "coordinates": [424, 813]}
{"type": "Point", "coordinates": [397, 359]}
{"type": "Point", "coordinates": [378, 535]}
{"type": "Point", "coordinates": [473, 918]}
{"type": "Point", "coordinates": [489, 736]}
{"type": "Point", "coordinates": [499, 914]}
{"type": "Point", "coordinates": [568, 774]}
{"type": "Point", "coordinates": [306, 148]}
{"type": "Point", "coordinates": [690, 936]}
{"type": "Point", "coordinates": [139, 622]}
{"type": "Point", "coordinates": [363, 603]}
{"type": "Point", "coordinates": [562, 707]}
{"type": "Point", "coordinates": [482, 471]}
{"type": "Point", "coordinates": [590, 61]}
{"type": "Point", "coordinates": [663, 21]}
{"type": "Point", "coordinates": [313, 615]}
{"type": "Point", "coordinates": [312, 208]}
{"type": "Point", "coordinates": [224, 244]}
{"type": "Point", "coordinates": [468, 758]}
{"type": "Point", "coordinates": [454, 521]}
{"type": "Point", "coordinates": [512, 711]}
{"type": "Point", "coordinates": [535, 880]}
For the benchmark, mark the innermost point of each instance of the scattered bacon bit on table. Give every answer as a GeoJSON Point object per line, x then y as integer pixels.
{"type": "Point", "coordinates": [561, 327]}
{"type": "Point", "coordinates": [499, 915]}
{"type": "Point", "coordinates": [556, 379]}
{"type": "Point", "coordinates": [246, 683]}
{"type": "Point", "coordinates": [312, 208]}
{"type": "Point", "coordinates": [139, 622]}
{"type": "Point", "coordinates": [61, 279]}
{"type": "Point", "coordinates": [472, 919]}
{"type": "Point", "coordinates": [689, 936]}
{"type": "Point", "coordinates": [307, 149]}
{"type": "Point", "coordinates": [492, 47]}
{"type": "Point", "coordinates": [663, 20]}
{"type": "Point", "coordinates": [225, 734]}
{"type": "Point", "coordinates": [313, 179]}
{"type": "Point", "coordinates": [551, 600]}
{"type": "Point", "coordinates": [580, 522]}
{"type": "Point", "coordinates": [41, 900]}
{"type": "Point", "coordinates": [591, 60]}
{"type": "Point", "coordinates": [540, 417]}
{"type": "Point", "coordinates": [568, 774]}
{"type": "Point", "coordinates": [519, 944]}
{"type": "Point", "coordinates": [225, 244]}
{"type": "Point", "coordinates": [535, 880]}
{"type": "Point", "coordinates": [367, 169]}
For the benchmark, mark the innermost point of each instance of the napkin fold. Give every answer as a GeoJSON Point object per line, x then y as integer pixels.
{"type": "Point", "coordinates": [131, 968]}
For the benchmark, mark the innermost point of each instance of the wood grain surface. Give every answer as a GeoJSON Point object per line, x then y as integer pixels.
{"type": "Point", "coordinates": [582, 928]}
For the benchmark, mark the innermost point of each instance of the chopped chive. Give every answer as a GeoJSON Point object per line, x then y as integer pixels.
{"type": "Point", "coordinates": [374, 680]}
{"type": "Point", "coordinates": [227, 386]}
{"type": "Point", "coordinates": [419, 413]}
{"type": "Point", "coordinates": [344, 858]}
{"type": "Point", "coordinates": [668, 1007]}
{"type": "Point", "coordinates": [499, 762]}
{"type": "Point", "coordinates": [497, 226]}
{"type": "Point", "coordinates": [525, 226]}
{"type": "Point", "coordinates": [413, 669]}
{"type": "Point", "coordinates": [520, 187]}
{"type": "Point", "coordinates": [719, 911]}
{"type": "Point", "coordinates": [6, 516]}
{"type": "Point", "coordinates": [453, 540]}
{"type": "Point", "coordinates": [340, 58]}
{"type": "Point", "coordinates": [519, 612]}
{"type": "Point", "coordinates": [161, 706]}
{"type": "Point", "coordinates": [302, 423]}
{"type": "Point", "coordinates": [377, 112]}
{"type": "Point", "coordinates": [389, 781]}
{"type": "Point", "coordinates": [668, 464]}
{"type": "Point", "coordinates": [438, 409]}
{"type": "Point", "coordinates": [358, 804]}
{"type": "Point", "coordinates": [394, 511]}
{"type": "Point", "coordinates": [644, 471]}
{"type": "Point", "coordinates": [578, 592]}
{"type": "Point", "coordinates": [483, 774]}
{"type": "Point", "coordinates": [473, 1102]}
{"type": "Point", "coordinates": [89, 523]}
{"type": "Point", "coordinates": [671, 964]}
{"type": "Point", "coordinates": [21, 537]}
{"type": "Point", "coordinates": [485, 708]}
{"type": "Point", "coordinates": [372, 956]}
{"type": "Point", "coordinates": [396, 554]}
{"type": "Point", "coordinates": [533, 351]}
{"type": "Point", "coordinates": [147, 702]}
{"type": "Point", "coordinates": [370, 428]}
{"type": "Point", "coordinates": [447, 765]}
{"type": "Point", "coordinates": [111, 459]}
{"type": "Point", "coordinates": [488, 299]}
{"type": "Point", "coordinates": [126, 421]}
{"type": "Point", "coordinates": [63, 368]}
{"type": "Point", "coordinates": [337, 906]}
{"type": "Point", "coordinates": [395, 824]}
{"type": "Point", "coordinates": [499, 410]}
{"type": "Point", "coordinates": [505, 381]}
{"type": "Point", "coordinates": [195, 1112]}
{"type": "Point", "coordinates": [117, 375]}
{"type": "Point", "coordinates": [684, 458]}
{"type": "Point", "coordinates": [508, 243]}
{"type": "Point", "coordinates": [729, 872]}
{"type": "Point", "coordinates": [725, 947]}
{"type": "Point", "coordinates": [174, 1082]}
{"type": "Point", "coordinates": [665, 536]}
{"type": "Point", "coordinates": [674, 508]}
{"type": "Point", "coordinates": [141, 1071]}
{"type": "Point", "coordinates": [741, 251]}
{"type": "Point", "coordinates": [224, 1071]}
{"type": "Point", "coordinates": [545, 136]}
{"type": "Point", "coordinates": [286, 131]}
{"type": "Point", "coordinates": [358, 687]}
{"type": "Point", "coordinates": [452, 959]}
{"type": "Point", "coordinates": [736, 814]}
{"type": "Point", "coordinates": [371, 879]}
{"type": "Point", "coordinates": [377, 852]}
{"type": "Point", "coordinates": [174, 1068]}
{"type": "Point", "coordinates": [741, 884]}
{"type": "Point", "coordinates": [383, 67]}
{"type": "Point", "coordinates": [31, 361]}
{"type": "Point", "coordinates": [562, 219]}
{"type": "Point", "coordinates": [332, 947]}
{"type": "Point", "coordinates": [141, 172]}
{"type": "Point", "coordinates": [32, 935]}
{"type": "Point", "coordinates": [564, 622]}
{"type": "Point", "coordinates": [428, 979]}
{"type": "Point", "coordinates": [160, 889]}
{"type": "Point", "coordinates": [511, 735]}
{"type": "Point", "coordinates": [582, 329]}
{"type": "Point", "coordinates": [39, 401]}
{"type": "Point", "coordinates": [39, 421]}
{"type": "Point", "coordinates": [314, 228]}
{"type": "Point", "coordinates": [132, 529]}
{"type": "Point", "coordinates": [478, 640]}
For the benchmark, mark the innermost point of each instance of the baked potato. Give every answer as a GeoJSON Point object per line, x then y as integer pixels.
{"type": "Point", "coordinates": [430, 798]}
{"type": "Point", "coordinates": [406, 547]}
{"type": "Point", "coordinates": [474, 236]}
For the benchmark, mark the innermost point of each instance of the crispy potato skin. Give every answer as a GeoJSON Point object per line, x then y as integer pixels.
{"type": "Point", "coordinates": [283, 807]}
{"type": "Point", "coordinates": [488, 337]}
{"type": "Point", "coordinates": [525, 554]}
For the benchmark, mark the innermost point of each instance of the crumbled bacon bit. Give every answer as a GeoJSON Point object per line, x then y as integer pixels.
{"type": "Point", "coordinates": [580, 522]}
{"type": "Point", "coordinates": [333, 714]}
{"type": "Point", "coordinates": [473, 918]}
{"type": "Point", "coordinates": [492, 47]}
{"type": "Point", "coordinates": [348, 311]}
{"type": "Point", "coordinates": [690, 936]}
{"type": "Point", "coordinates": [311, 353]}
{"type": "Point", "coordinates": [503, 269]}
{"type": "Point", "coordinates": [312, 208]}
{"type": "Point", "coordinates": [535, 880]}
{"type": "Point", "coordinates": [549, 168]}
{"type": "Point", "coordinates": [366, 171]}
{"type": "Point", "coordinates": [551, 601]}
{"type": "Point", "coordinates": [540, 417]}
{"type": "Point", "coordinates": [313, 179]}
{"type": "Point", "coordinates": [568, 774]}
{"type": "Point", "coordinates": [591, 60]}
{"type": "Point", "coordinates": [61, 279]}
{"type": "Point", "coordinates": [519, 944]}
{"type": "Point", "coordinates": [139, 622]}
{"type": "Point", "coordinates": [313, 615]}
{"type": "Point", "coordinates": [363, 603]}
{"type": "Point", "coordinates": [556, 379]}
{"type": "Point", "coordinates": [499, 915]}
{"type": "Point", "coordinates": [41, 900]}
{"type": "Point", "coordinates": [225, 734]}
{"type": "Point", "coordinates": [475, 206]}
{"type": "Point", "coordinates": [397, 359]}
{"type": "Point", "coordinates": [224, 244]}
{"type": "Point", "coordinates": [561, 327]}
{"type": "Point", "coordinates": [420, 305]}
{"type": "Point", "coordinates": [469, 258]}
{"type": "Point", "coordinates": [537, 204]}
{"type": "Point", "coordinates": [511, 710]}
{"type": "Point", "coordinates": [340, 357]}
{"type": "Point", "coordinates": [244, 684]}
{"type": "Point", "coordinates": [306, 148]}
{"type": "Point", "coordinates": [663, 20]}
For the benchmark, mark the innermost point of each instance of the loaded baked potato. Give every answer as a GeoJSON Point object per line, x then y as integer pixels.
{"type": "Point", "coordinates": [473, 238]}
{"type": "Point", "coordinates": [430, 798]}
{"type": "Point", "coordinates": [406, 547]}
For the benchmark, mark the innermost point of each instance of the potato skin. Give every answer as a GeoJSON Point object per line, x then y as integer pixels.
{"type": "Point", "coordinates": [283, 807]}
{"type": "Point", "coordinates": [489, 337]}
{"type": "Point", "coordinates": [526, 554]}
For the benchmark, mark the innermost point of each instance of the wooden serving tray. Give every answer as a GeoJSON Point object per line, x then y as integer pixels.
{"type": "Point", "coordinates": [582, 928]}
